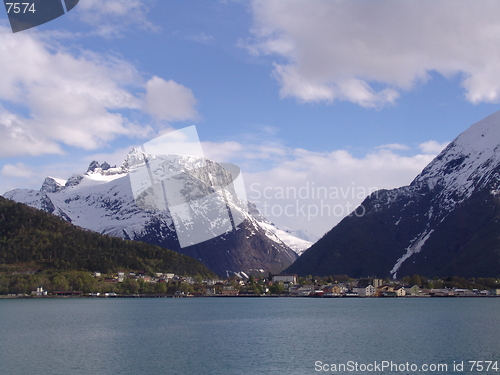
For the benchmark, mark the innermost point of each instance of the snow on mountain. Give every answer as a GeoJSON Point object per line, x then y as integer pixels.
{"type": "Point", "coordinates": [302, 234]}
{"type": "Point", "coordinates": [444, 223]}
{"type": "Point", "coordinates": [102, 200]}
{"type": "Point", "coordinates": [102, 206]}
{"type": "Point", "coordinates": [468, 163]}
{"type": "Point", "coordinates": [52, 185]}
{"type": "Point", "coordinates": [298, 241]}
{"type": "Point", "coordinates": [297, 244]}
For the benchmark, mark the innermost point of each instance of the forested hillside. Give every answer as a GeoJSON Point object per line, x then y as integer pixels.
{"type": "Point", "coordinates": [30, 236]}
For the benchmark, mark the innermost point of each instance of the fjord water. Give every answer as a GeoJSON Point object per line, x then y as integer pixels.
{"type": "Point", "coordinates": [241, 335]}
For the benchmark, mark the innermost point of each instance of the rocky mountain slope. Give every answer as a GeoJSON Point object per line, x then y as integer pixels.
{"type": "Point", "coordinates": [445, 223]}
{"type": "Point", "coordinates": [102, 200]}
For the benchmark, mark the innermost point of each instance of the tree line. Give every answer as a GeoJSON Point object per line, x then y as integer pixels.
{"type": "Point", "coordinates": [32, 237]}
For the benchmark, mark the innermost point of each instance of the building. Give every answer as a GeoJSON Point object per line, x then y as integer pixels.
{"type": "Point", "coordinates": [400, 292]}
{"type": "Point", "coordinates": [333, 290]}
{"type": "Point", "coordinates": [39, 292]}
{"type": "Point", "coordinates": [384, 289]}
{"type": "Point", "coordinates": [302, 291]}
{"type": "Point", "coordinates": [291, 279]}
{"type": "Point", "coordinates": [230, 291]}
{"type": "Point", "coordinates": [364, 290]}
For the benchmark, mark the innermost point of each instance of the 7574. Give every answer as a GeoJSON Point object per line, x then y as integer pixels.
{"type": "Point", "coordinates": [483, 365]}
{"type": "Point", "coordinates": [17, 7]}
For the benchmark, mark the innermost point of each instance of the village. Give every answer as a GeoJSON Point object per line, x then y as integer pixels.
{"type": "Point", "coordinates": [137, 284]}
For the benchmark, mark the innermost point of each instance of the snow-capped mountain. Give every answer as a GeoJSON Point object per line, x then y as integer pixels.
{"type": "Point", "coordinates": [445, 223]}
{"type": "Point", "coordinates": [104, 200]}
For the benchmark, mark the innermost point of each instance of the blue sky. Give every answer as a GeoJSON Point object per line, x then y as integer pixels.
{"type": "Point", "coordinates": [345, 95]}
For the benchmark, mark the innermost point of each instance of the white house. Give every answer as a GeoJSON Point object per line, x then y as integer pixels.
{"type": "Point", "coordinates": [400, 292]}
{"type": "Point", "coordinates": [364, 290]}
{"type": "Point", "coordinates": [39, 292]}
{"type": "Point", "coordinates": [302, 291]}
{"type": "Point", "coordinates": [292, 279]}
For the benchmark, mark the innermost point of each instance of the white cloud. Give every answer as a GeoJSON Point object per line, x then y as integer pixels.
{"type": "Point", "coordinates": [18, 138]}
{"type": "Point", "coordinates": [111, 18]}
{"type": "Point", "coordinates": [310, 90]}
{"type": "Point", "coordinates": [17, 170]}
{"type": "Point", "coordinates": [62, 98]}
{"type": "Point", "coordinates": [25, 176]}
{"type": "Point", "coordinates": [273, 173]}
{"type": "Point", "coordinates": [221, 151]}
{"type": "Point", "coordinates": [370, 52]}
{"type": "Point", "coordinates": [314, 191]}
{"type": "Point", "coordinates": [170, 101]}
{"type": "Point", "coordinates": [432, 147]}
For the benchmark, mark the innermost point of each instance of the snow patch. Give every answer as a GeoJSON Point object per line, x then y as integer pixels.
{"type": "Point", "coordinates": [298, 245]}
{"type": "Point", "coordinates": [414, 248]}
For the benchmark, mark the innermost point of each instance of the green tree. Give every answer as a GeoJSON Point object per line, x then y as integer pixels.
{"type": "Point", "coordinates": [277, 288]}
{"type": "Point", "coordinates": [257, 289]}
{"type": "Point", "coordinates": [78, 285]}
{"type": "Point", "coordinates": [59, 282]}
{"type": "Point", "coordinates": [415, 280]}
{"type": "Point", "coordinates": [161, 288]}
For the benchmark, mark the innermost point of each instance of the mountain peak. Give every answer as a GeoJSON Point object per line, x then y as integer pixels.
{"type": "Point", "coordinates": [74, 180]}
{"type": "Point", "coordinates": [96, 169]}
{"type": "Point", "coordinates": [445, 223]}
{"type": "Point", "coordinates": [93, 166]}
{"type": "Point", "coordinates": [52, 185]}
{"type": "Point", "coordinates": [468, 163]}
{"type": "Point", "coordinates": [133, 158]}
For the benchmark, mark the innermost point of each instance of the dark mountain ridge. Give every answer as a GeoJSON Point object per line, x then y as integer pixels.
{"type": "Point", "coordinates": [445, 223]}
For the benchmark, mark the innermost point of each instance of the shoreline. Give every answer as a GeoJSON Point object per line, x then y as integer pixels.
{"type": "Point", "coordinates": [237, 296]}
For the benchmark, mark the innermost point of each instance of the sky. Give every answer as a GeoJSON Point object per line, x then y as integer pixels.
{"type": "Point", "coordinates": [320, 103]}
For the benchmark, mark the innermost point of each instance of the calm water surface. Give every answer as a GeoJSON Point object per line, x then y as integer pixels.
{"type": "Point", "coordinates": [242, 335]}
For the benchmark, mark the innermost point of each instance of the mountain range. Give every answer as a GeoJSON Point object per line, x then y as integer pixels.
{"type": "Point", "coordinates": [445, 223]}
{"type": "Point", "coordinates": [102, 200]}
